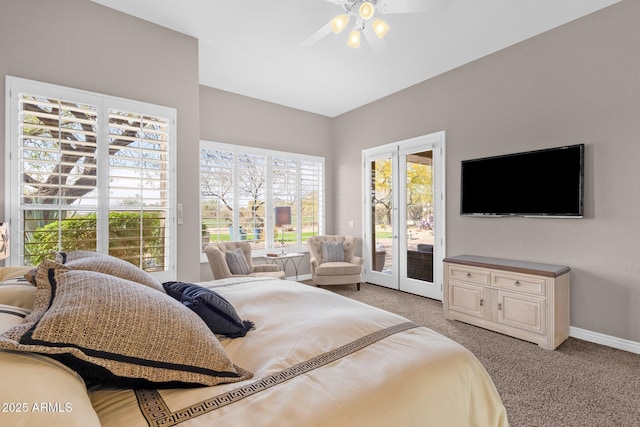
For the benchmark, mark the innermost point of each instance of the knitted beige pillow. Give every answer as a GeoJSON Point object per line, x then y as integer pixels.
{"type": "Point", "coordinates": [117, 332]}
{"type": "Point", "coordinates": [107, 264]}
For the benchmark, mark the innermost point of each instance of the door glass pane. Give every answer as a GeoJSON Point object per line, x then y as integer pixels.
{"type": "Point", "coordinates": [382, 215]}
{"type": "Point", "coordinates": [420, 226]}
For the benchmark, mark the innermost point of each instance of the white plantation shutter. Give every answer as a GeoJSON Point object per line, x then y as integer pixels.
{"type": "Point", "coordinates": [285, 180]}
{"type": "Point", "coordinates": [90, 172]}
{"type": "Point", "coordinates": [242, 186]}
{"type": "Point", "coordinates": [56, 170]}
{"type": "Point", "coordinates": [251, 184]}
{"type": "Point", "coordinates": [285, 185]}
{"type": "Point", "coordinates": [312, 196]}
{"type": "Point", "coordinates": [216, 190]}
{"type": "Point", "coordinates": [54, 133]}
{"type": "Point", "coordinates": [139, 186]}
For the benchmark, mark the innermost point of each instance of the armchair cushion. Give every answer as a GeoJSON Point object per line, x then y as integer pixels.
{"type": "Point", "coordinates": [332, 251]}
{"type": "Point", "coordinates": [338, 269]}
{"type": "Point", "coordinates": [237, 262]}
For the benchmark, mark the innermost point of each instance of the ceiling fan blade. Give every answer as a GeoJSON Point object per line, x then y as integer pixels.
{"type": "Point", "coordinates": [321, 33]}
{"type": "Point", "coordinates": [405, 6]}
{"type": "Point", "coordinates": [376, 44]}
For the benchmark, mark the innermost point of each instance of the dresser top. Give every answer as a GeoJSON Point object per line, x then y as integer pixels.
{"type": "Point", "coordinates": [549, 270]}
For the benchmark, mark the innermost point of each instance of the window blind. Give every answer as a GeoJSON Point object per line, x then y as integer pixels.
{"type": "Point", "coordinates": [241, 186]}
{"type": "Point", "coordinates": [91, 172]}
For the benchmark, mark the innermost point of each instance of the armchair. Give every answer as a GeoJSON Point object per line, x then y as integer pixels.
{"type": "Point", "coordinates": [333, 261]}
{"type": "Point", "coordinates": [239, 253]}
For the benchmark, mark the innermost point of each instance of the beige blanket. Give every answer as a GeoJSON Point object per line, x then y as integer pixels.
{"type": "Point", "coordinates": [320, 359]}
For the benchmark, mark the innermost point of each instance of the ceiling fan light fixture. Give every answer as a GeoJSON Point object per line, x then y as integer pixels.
{"type": "Point", "coordinates": [380, 28]}
{"type": "Point", "coordinates": [339, 23]}
{"type": "Point", "coordinates": [354, 39]}
{"type": "Point", "coordinates": [366, 10]}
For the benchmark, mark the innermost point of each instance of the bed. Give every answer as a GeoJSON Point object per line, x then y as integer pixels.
{"type": "Point", "coordinates": [311, 358]}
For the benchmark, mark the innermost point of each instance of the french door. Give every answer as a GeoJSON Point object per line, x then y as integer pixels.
{"type": "Point", "coordinates": [403, 243]}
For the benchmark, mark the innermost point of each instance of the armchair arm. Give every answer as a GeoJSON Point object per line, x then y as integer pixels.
{"type": "Point", "coordinates": [261, 268]}
{"type": "Point", "coordinates": [357, 260]}
{"type": "Point", "coordinates": [314, 264]}
{"type": "Point", "coordinates": [217, 262]}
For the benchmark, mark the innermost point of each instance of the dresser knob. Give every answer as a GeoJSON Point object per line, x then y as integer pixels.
{"type": "Point", "coordinates": [517, 283]}
{"type": "Point", "coordinates": [468, 274]}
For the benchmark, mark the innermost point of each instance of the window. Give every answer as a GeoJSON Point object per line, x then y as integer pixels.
{"type": "Point", "coordinates": [241, 187]}
{"type": "Point", "coordinates": [90, 172]}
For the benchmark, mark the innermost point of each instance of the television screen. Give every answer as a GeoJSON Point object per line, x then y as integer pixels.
{"type": "Point", "coordinates": [535, 183]}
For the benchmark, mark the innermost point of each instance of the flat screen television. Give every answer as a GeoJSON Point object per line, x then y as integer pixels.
{"type": "Point", "coordinates": [545, 183]}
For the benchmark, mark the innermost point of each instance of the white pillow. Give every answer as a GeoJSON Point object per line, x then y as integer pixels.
{"type": "Point", "coordinates": [17, 292]}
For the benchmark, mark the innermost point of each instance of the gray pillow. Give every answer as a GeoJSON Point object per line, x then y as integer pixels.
{"type": "Point", "coordinates": [115, 332]}
{"type": "Point", "coordinates": [332, 251]}
{"type": "Point", "coordinates": [237, 262]}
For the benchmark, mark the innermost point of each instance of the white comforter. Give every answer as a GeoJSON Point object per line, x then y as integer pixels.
{"type": "Point", "coordinates": [399, 374]}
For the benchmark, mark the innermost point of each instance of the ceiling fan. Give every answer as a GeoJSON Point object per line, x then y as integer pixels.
{"type": "Point", "coordinates": [361, 13]}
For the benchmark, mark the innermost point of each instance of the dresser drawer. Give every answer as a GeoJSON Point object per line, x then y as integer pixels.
{"type": "Point", "coordinates": [469, 274]}
{"type": "Point", "coordinates": [518, 282]}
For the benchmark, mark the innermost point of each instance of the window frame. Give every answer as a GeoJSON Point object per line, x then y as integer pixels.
{"type": "Point", "coordinates": [14, 87]}
{"type": "Point", "coordinates": [237, 150]}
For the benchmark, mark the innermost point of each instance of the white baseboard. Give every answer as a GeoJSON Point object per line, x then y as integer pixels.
{"type": "Point", "coordinates": [608, 340]}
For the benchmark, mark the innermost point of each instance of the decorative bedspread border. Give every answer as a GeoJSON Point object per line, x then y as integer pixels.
{"type": "Point", "coordinates": [158, 414]}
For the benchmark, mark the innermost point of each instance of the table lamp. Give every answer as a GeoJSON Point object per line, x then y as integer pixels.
{"type": "Point", "coordinates": [283, 217]}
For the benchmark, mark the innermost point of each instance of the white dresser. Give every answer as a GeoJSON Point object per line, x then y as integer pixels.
{"type": "Point", "coordinates": [525, 300]}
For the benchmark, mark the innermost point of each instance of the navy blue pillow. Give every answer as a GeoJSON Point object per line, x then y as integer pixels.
{"type": "Point", "coordinates": [216, 311]}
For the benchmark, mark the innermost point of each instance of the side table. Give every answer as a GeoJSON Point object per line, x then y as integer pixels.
{"type": "Point", "coordinates": [283, 259]}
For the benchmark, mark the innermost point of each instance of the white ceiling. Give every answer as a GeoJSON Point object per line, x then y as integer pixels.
{"type": "Point", "coordinates": [252, 47]}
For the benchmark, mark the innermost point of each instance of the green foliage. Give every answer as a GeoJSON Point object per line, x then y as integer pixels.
{"type": "Point", "coordinates": [129, 239]}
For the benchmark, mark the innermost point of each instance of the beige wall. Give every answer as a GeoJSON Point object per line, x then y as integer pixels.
{"type": "Point", "coordinates": [80, 44]}
{"type": "Point", "coordinates": [579, 83]}
{"type": "Point", "coordinates": [235, 119]}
